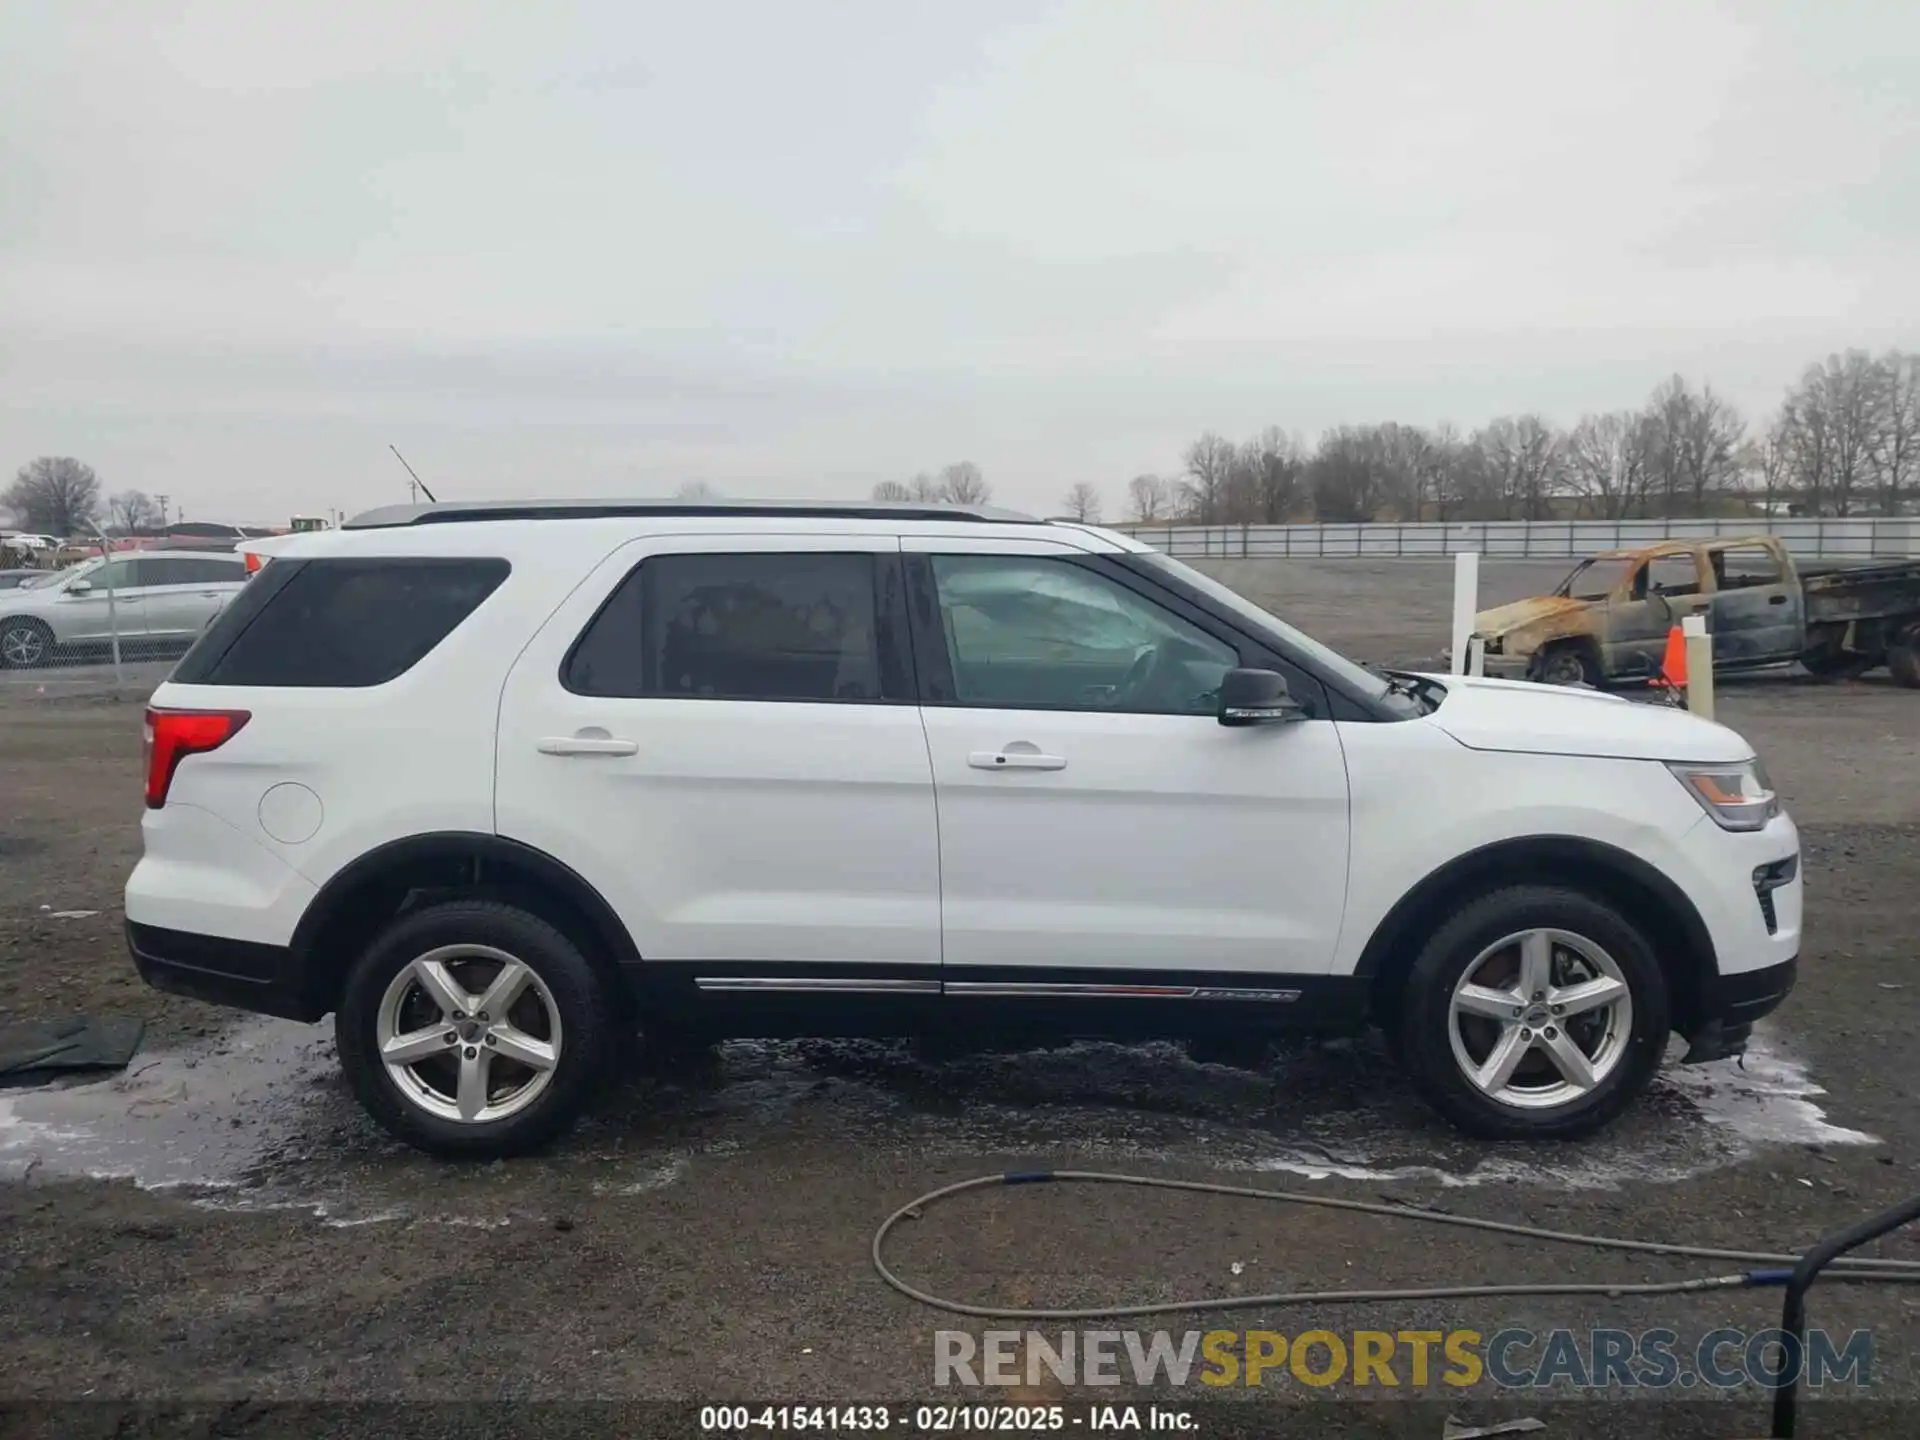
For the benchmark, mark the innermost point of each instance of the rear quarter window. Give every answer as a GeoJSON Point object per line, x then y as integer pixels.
{"type": "Point", "coordinates": [338, 624]}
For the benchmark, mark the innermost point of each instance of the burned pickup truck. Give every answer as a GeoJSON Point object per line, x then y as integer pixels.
{"type": "Point", "coordinates": [1608, 620]}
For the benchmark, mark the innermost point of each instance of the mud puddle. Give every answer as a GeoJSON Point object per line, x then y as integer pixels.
{"type": "Point", "coordinates": [262, 1120]}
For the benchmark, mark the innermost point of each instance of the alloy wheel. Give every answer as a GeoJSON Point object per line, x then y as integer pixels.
{"type": "Point", "coordinates": [469, 1033]}
{"type": "Point", "coordinates": [1540, 1019]}
{"type": "Point", "coordinates": [22, 645]}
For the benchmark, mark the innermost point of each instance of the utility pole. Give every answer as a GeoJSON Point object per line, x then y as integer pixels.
{"type": "Point", "coordinates": [162, 499]}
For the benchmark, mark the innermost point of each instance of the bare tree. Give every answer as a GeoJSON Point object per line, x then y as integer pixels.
{"type": "Point", "coordinates": [1082, 502]}
{"type": "Point", "coordinates": [1517, 466]}
{"type": "Point", "coordinates": [696, 492]}
{"type": "Point", "coordinates": [1607, 463]}
{"type": "Point", "coordinates": [1770, 457]}
{"type": "Point", "coordinates": [54, 495]}
{"type": "Point", "coordinates": [1150, 497]}
{"type": "Point", "coordinates": [1209, 461]}
{"type": "Point", "coordinates": [963, 484]}
{"type": "Point", "coordinates": [893, 490]}
{"type": "Point", "coordinates": [1439, 467]}
{"type": "Point", "coordinates": [1834, 418]}
{"type": "Point", "coordinates": [1897, 443]}
{"type": "Point", "coordinates": [132, 510]}
{"type": "Point", "coordinates": [1270, 486]}
{"type": "Point", "coordinates": [1348, 476]}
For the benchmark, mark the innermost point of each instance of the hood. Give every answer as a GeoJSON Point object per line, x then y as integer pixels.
{"type": "Point", "coordinates": [1502, 618]}
{"type": "Point", "coordinates": [1516, 715]}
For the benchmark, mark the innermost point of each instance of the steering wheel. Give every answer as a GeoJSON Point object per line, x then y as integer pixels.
{"type": "Point", "coordinates": [1140, 674]}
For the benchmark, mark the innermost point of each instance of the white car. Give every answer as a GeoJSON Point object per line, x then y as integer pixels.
{"type": "Point", "coordinates": [499, 785]}
{"type": "Point", "coordinates": [154, 602]}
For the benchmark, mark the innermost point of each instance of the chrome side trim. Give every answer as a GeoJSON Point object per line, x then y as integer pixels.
{"type": "Point", "coordinates": [834, 985]}
{"type": "Point", "coordinates": [985, 988]}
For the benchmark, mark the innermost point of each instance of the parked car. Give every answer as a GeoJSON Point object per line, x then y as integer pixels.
{"type": "Point", "coordinates": [156, 604]}
{"type": "Point", "coordinates": [1609, 619]}
{"type": "Point", "coordinates": [497, 785]}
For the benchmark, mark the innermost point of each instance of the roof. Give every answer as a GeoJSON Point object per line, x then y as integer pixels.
{"type": "Point", "coordinates": [452, 511]}
{"type": "Point", "coordinates": [1682, 546]}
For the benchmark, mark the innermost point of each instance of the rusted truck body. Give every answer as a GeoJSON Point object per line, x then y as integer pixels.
{"type": "Point", "coordinates": [1608, 621]}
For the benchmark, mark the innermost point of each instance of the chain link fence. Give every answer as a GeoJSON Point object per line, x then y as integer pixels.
{"type": "Point", "coordinates": [113, 624]}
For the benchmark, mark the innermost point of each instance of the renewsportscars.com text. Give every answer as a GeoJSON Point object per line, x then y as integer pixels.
{"type": "Point", "coordinates": [1609, 1359]}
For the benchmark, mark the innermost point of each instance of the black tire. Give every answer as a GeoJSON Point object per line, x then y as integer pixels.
{"type": "Point", "coordinates": [1903, 658]}
{"type": "Point", "coordinates": [1836, 664]}
{"type": "Point", "coordinates": [1567, 665]}
{"type": "Point", "coordinates": [1426, 1036]}
{"type": "Point", "coordinates": [22, 628]}
{"type": "Point", "coordinates": [588, 1018]}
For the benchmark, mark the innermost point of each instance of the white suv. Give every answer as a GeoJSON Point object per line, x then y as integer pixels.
{"type": "Point", "coordinates": [500, 785]}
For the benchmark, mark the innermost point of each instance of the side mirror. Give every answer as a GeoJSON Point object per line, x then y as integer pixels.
{"type": "Point", "coordinates": [80, 587]}
{"type": "Point", "coordinates": [1257, 697]}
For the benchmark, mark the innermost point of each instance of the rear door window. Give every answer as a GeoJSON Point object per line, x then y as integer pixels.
{"type": "Point", "coordinates": [190, 570]}
{"type": "Point", "coordinates": [343, 624]}
{"type": "Point", "coordinates": [762, 625]}
{"type": "Point", "coordinates": [1745, 566]}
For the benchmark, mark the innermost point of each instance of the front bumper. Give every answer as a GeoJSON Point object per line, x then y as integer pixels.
{"type": "Point", "coordinates": [1731, 1003]}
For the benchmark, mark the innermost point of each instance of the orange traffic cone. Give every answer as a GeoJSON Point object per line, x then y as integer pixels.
{"type": "Point", "coordinates": [1673, 668]}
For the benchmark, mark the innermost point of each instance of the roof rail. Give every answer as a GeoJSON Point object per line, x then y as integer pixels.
{"type": "Point", "coordinates": [460, 511]}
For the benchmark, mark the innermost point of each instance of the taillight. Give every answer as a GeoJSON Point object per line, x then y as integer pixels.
{"type": "Point", "coordinates": [172, 735]}
{"type": "Point", "coordinates": [254, 562]}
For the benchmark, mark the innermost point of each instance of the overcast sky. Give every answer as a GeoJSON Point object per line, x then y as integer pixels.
{"type": "Point", "coordinates": [605, 247]}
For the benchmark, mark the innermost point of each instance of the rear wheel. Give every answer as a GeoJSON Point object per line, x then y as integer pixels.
{"type": "Point", "coordinates": [1534, 1013]}
{"type": "Point", "coordinates": [473, 1028]}
{"type": "Point", "coordinates": [1903, 658]}
{"type": "Point", "coordinates": [1836, 664]}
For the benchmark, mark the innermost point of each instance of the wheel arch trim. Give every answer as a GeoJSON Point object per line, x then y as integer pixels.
{"type": "Point", "coordinates": [1680, 935]}
{"type": "Point", "coordinates": [484, 852]}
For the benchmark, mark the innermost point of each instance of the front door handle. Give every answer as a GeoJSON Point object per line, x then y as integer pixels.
{"type": "Point", "coordinates": [588, 745]}
{"type": "Point", "coordinates": [1012, 759]}
{"type": "Point", "coordinates": [1776, 599]}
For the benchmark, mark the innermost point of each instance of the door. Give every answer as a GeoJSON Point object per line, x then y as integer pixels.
{"type": "Point", "coordinates": [1100, 830]}
{"type": "Point", "coordinates": [1662, 592]}
{"type": "Point", "coordinates": [1758, 615]}
{"type": "Point", "coordinates": [184, 592]}
{"type": "Point", "coordinates": [718, 733]}
{"type": "Point", "coordinates": [93, 617]}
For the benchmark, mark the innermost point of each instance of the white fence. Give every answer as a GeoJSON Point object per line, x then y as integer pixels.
{"type": "Point", "coordinates": [1849, 539]}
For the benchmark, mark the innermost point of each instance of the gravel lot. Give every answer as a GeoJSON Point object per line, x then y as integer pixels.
{"type": "Point", "coordinates": [705, 1236]}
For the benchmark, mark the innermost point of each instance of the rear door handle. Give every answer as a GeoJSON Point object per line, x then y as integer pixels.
{"type": "Point", "coordinates": [1015, 760]}
{"type": "Point", "coordinates": [588, 745]}
{"type": "Point", "coordinates": [1776, 599]}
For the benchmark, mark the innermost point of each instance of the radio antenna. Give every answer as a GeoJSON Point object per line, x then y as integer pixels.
{"type": "Point", "coordinates": [414, 482]}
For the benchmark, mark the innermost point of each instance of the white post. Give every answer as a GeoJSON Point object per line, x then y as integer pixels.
{"type": "Point", "coordinates": [1699, 665]}
{"type": "Point", "coordinates": [1476, 655]}
{"type": "Point", "coordinates": [1466, 604]}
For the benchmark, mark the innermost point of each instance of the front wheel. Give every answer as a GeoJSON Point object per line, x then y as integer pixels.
{"type": "Point", "coordinates": [475, 1029]}
{"type": "Point", "coordinates": [1534, 1013]}
{"type": "Point", "coordinates": [24, 644]}
{"type": "Point", "coordinates": [1567, 665]}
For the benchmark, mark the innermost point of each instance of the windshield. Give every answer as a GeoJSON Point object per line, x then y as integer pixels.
{"type": "Point", "coordinates": [56, 577]}
{"type": "Point", "coordinates": [1356, 677]}
{"type": "Point", "coordinates": [1595, 579]}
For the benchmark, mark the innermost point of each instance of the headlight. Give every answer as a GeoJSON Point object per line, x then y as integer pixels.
{"type": "Point", "coordinates": [1738, 796]}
